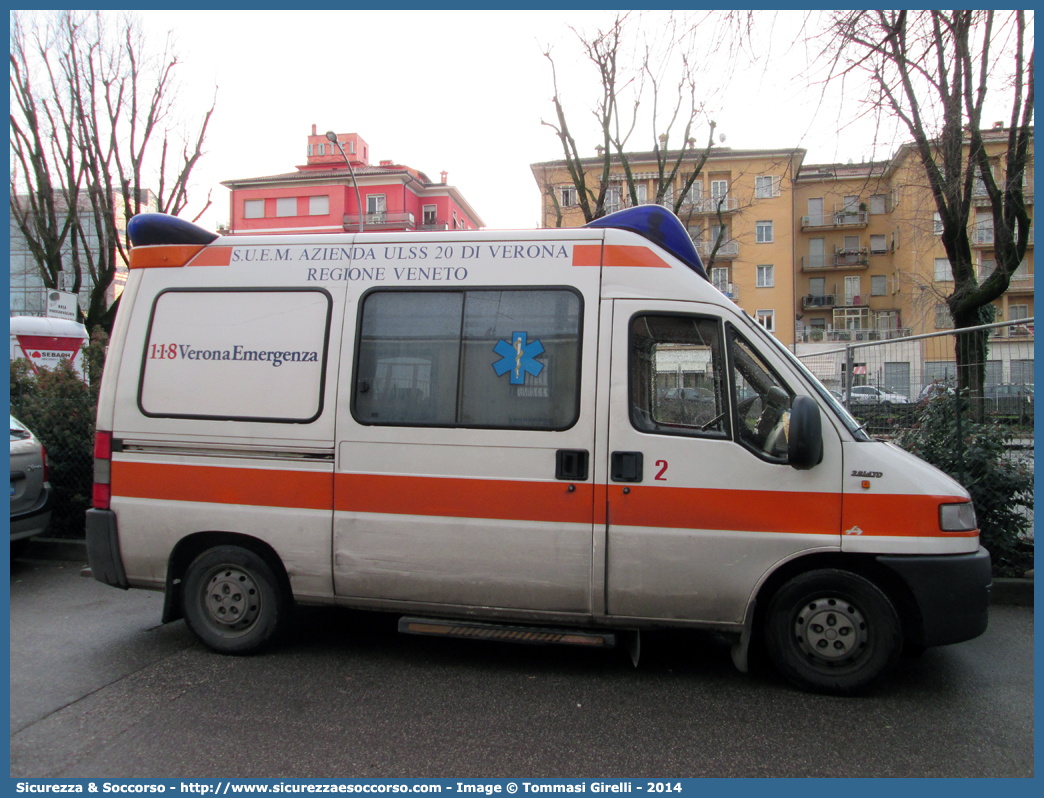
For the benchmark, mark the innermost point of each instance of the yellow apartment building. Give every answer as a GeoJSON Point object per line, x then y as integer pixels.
{"type": "Point", "coordinates": [747, 193]}
{"type": "Point", "coordinates": [819, 253]}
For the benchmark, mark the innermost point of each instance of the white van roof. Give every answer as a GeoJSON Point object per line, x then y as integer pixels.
{"type": "Point", "coordinates": [43, 325]}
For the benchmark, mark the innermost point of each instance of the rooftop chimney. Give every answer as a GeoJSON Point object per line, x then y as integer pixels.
{"type": "Point", "coordinates": [445, 175]}
{"type": "Point", "coordinates": [387, 163]}
{"type": "Point", "coordinates": [313, 130]}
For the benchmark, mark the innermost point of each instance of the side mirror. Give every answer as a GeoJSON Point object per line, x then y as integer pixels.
{"type": "Point", "coordinates": [805, 441]}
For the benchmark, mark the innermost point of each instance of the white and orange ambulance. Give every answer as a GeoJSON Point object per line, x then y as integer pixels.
{"type": "Point", "coordinates": [546, 436]}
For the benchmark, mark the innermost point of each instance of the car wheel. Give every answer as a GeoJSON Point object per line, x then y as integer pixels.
{"type": "Point", "coordinates": [832, 631]}
{"type": "Point", "coordinates": [233, 601]}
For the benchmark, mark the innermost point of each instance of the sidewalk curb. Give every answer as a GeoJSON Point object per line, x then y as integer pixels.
{"type": "Point", "coordinates": [1004, 591]}
{"type": "Point", "coordinates": [1012, 591]}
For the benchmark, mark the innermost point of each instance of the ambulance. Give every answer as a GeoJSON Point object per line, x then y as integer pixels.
{"type": "Point", "coordinates": [550, 436]}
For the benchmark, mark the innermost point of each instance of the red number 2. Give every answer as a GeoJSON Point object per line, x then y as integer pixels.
{"type": "Point", "coordinates": [662, 471]}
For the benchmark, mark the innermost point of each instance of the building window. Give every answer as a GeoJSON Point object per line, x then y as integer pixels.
{"type": "Point", "coordinates": [937, 224]}
{"type": "Point", "coordinates": [720, 278]}
{"type": "Point", "coordinates": [766, 277]}
{"type": "Point", "coordinates": [943, 270]}
{"type": "Point", "coordinates": [568, 196]}
{"type": "Point", "coordinates": [767, 319]}
{"type": "Point", "coordinates": [764, 232]}
{"type": "Point", "coordinates": [878, 204]}
{"type": "Point", "coordinates": [429, 214]}
{"type": "Point", "coordinates": [642, 190]}
{"type": "Point", "coordinates": [878, 245]}
{"type": "Point", "coordinates": [695, 192]}
{"type": "Point", "coordinates": [286, 206]}
{"type": "Point", "coordinates": [816, 253]}
{"type": "Point", "coordinates": [984, 231]}
{"type": "Point", "coordinates": [878, 285]}
{"type": "Point", "coordinates": [719, 194]}
{"type": "Point", "coordinates": [254, 209]}
{"type": "Point", "coordinates": [319, 206]}
{"type": "Point", "coordinates": [612, 199]}
{"type": "Point", "coordinates": [454, 219]}
{"type": "Point", "coordinates": [943, 319]}
{"type": "Point", "coordinates": [766, 186]}
{"type": "Point", "coordinates": [376, 207]}
{"type": "Point", "coordinates": [1016, 312]}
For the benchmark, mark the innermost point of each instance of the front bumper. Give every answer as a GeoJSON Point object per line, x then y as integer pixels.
{"type": "Point", "coordinates": [952, 593]}
{"type": "Point", "coordinates": [103, 548]}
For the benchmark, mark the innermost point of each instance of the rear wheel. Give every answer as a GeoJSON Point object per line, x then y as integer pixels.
{"type": "Point", "coordinates": [832, 631]}
{"type": "Point", "coordinates": [233, 601]}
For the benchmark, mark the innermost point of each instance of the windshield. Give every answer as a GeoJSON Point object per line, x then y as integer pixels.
{"type": "Point", "coordinates": [850, 423]}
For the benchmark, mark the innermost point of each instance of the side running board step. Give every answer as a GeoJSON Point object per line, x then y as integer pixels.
{"type": "Point", "coordinates": [508, 634]}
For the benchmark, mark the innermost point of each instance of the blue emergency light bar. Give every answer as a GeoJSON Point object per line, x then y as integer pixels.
{"type": "Point", "coordinates": [159, 229]}
{"type": "Point", "coordinates": [661, 227]}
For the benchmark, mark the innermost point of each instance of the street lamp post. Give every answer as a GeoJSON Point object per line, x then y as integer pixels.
{"type": "Point", "coordinates": [358, 197]}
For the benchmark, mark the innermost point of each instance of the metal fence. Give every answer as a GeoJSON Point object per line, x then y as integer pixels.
{"type": "Point", "coordinates": [890, 377]}
{"type": "Point", "coordinates": [905, 390]}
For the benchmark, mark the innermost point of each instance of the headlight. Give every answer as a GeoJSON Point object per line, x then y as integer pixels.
{"type": "Point", "coordinates": [957, 517]}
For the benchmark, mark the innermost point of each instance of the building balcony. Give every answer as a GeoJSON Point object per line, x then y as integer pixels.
{"type": "Point", "coordinates": [430, 226]}
{"type": "Point", "coordinates": [820, 263]}
{"type": "Point", "coordinates": [728, 250]}
{"type": "Point", "coordinates": [837, 220]}
{"type": "Point", "coordinates": [1021, 284]}
{"type": "Point", "coordinates": [815, 336]}
{"type": "Point", "coordinates": [818, 301]}
{"type": "Point", "coordinates": [710, 205]}
{"type": "Point", "coordinates": [386, 220]}
{"type": "Point", "coordinates": [859, 257]}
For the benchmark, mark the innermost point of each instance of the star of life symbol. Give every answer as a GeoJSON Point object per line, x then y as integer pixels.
{"type": "Point", "coordinates": [518, 357]}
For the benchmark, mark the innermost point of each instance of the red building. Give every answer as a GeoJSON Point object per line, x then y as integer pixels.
{"type": "Point", "coordinates": [320, 196]}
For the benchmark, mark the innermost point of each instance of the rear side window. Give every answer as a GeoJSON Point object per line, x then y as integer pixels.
{"type": "Point", "coordinates": [482, 358]}
{"type": "Point", "coordinates": [236, 354]}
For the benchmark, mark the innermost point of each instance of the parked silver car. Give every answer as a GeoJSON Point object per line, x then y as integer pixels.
{"type": "Point", "coordinates": [30, 489]}
{"type": "Point", "coordinates": [869, 395]}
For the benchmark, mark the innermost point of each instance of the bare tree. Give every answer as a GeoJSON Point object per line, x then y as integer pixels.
{"type": "Point", "coordinates": [93, 132]}
{"type": "Point", "coordinates": [932, 71]}
{"type": "Point", "coordinates": [650, 96]}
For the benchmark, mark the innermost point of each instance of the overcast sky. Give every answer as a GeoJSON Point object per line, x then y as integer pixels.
{"type": "Point", "coordinates": [462, 91]}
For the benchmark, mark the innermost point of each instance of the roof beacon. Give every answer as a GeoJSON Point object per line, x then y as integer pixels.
{"type": "Point", "coordinates": [152, 229]}
{"type": "Point", "coordinates": [661, 227]}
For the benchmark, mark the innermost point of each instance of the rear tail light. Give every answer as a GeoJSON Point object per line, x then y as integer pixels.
{"type": "Point", "coordinates": [102, 493]}
{"type": "Point", "coordinates": [46, 468]}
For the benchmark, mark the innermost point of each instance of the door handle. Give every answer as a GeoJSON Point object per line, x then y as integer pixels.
{"type": "Point", "coordinates": [571, 464]}
{"type": "Point", "coordinates": [626, 467]}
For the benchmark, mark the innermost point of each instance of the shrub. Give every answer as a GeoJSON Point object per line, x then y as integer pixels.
{"type": "Point", "coordinates": [1000, 486]}
{"type": "Point", "coordinates": [60, 407]}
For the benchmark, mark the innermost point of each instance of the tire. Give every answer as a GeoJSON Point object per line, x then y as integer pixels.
{"type": "Point", "coordinates": [832, 631]}
{"type": "Point", "coordinates": [233, 601]}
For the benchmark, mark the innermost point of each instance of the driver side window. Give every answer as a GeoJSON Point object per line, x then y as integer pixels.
{"type": "Point", "coordinates": [761, 399]}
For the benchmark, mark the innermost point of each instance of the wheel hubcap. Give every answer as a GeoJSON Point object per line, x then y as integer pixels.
{"type": "Point", "coordinates": [232, 599]}
{"type": "Point", "coordinates": [830, 630]}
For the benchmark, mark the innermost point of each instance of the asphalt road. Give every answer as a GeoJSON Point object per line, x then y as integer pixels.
{"type": "Point", "coordinates": [100, 688]}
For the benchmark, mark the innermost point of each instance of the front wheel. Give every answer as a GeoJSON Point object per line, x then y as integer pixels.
{"type": "Point", "coordinates": [233, 601]}
{"type": "Point", "coordinates": [832, 631]}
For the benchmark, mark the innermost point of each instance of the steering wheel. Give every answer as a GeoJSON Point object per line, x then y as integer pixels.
{"type": "Point", "coordinates": [772, 424]}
